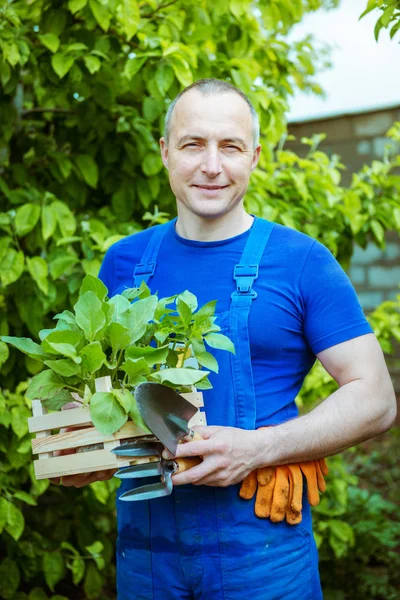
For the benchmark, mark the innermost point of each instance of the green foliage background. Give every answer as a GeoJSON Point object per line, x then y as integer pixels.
{"type": "Point", "coordinates": [85, 85]}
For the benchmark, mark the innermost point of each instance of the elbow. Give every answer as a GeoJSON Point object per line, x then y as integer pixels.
{"type": "Point", "coordinates": [388, 413]}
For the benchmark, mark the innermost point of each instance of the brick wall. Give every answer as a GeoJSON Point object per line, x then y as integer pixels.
{"type": "Point", "coordinates": [359, 138]}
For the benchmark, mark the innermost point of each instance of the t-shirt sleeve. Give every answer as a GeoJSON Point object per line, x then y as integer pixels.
{"type": "Point", "coordinates": [107, 271]}
{"type": "Point", "coordinates": [332, 311]}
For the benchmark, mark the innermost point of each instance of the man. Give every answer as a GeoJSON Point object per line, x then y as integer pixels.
{"type": "Point", "coordinates": [289, 303]}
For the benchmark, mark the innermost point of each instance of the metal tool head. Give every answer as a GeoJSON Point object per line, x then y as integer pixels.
{"type": "Point", "coordinates": [137, 449]}
{"type": "Point", "coordinates": [154, 490]}
{"type": "Point", "coordinates": [135, 471]}
{"type": "Point", "coordinates": [165, 412]}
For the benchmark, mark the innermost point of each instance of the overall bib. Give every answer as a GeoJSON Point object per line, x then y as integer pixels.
{"type": "Point", "coordinates": [205, 542]}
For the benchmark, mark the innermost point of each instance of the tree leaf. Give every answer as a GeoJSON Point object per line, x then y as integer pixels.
{"type": "Point", "coordinates": [64, 342]}
{"type": "Point", "coordinates": [125, 398]}
{"type": "Point", "coordinates": [74, 6]}
{"type": "Point", "coordinates": [49, 221]}
{"type": "Point", "coordinates": [4, 353]}
{"type": "Point", "coordinates": [26, 218]}
{"type": "Point", "coordinates": [92, 63]}
{"type": "Point", "coordinates": [51, 41]}
{"type": "Point", "coordinates": [220, 341]}
{"type": "Point", "coordinates": [152, 165]}
{"type": "Point", "coordinates": [107, 413]}
{"type": "Point", "coordinates": [11, 267]}
{"type": "Point", "coordinates": [206, 359]}
{"type": "Point", "coordinates": [65, 218]}
{"type": "Point", "coordinates": [164, 77]}
{"type": "Point", "coordinates": [25, 497]}
{"type": "Point", "coordinates": [136, 318]}
{"type": "Point", "coordinates": [62, 265]}
{"type": "Point", "coordinates": [88, 167]}
{"type": "Point", "coordinates": [89, 315]}
{"type": "Point", "coordinates": [184, 311]}
{"type": "Point", "coordinates": [101, 14]}
{"type": "Point", "coordinates": [53, 567]}
{"type": "Point", "coordinates": [93, 582]}
{"type": "Point", "coordinates": [180, 376]}
{"type": "Point", "coordinates": [119, 336]}
{"type": "Point", "coordinates": [135, 367]}
{"type": "Point", "coordinates": [57, 400]}
{"type": "Point", "coordinates": [19, 420]}
{"type": "Point", "coordinates": [15, 523]}
{"type": "Point", "coordinates": [130, 17]}
{"type": "Point", "coordinates": [39, 271]}
{"type": "Point", "coordinates": [9, 578]}
{"type": "Point", "coordinates": [62, 63]}
{"type": "Point", "coordinates": [78, 569]}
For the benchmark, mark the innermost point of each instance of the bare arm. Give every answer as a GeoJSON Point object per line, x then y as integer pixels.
{"type": "Point", "coordinates": [364, 406]}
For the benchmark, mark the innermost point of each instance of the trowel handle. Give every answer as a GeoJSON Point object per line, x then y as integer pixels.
{"type": "Point", "coordinates": [184, 464]}
{"type": "Point", "coordinates": [192, 436]}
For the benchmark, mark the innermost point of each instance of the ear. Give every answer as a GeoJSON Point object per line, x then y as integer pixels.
{"type": "Point", "coordinates": [256, 157]}
{"type": "Point", "coordinates": [164, 152]}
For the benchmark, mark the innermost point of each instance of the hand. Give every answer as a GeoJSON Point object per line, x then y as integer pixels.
{"type": "Point", "coordinates": [81, 479]}
{"type": "Point", "coordinates": [229, 454]}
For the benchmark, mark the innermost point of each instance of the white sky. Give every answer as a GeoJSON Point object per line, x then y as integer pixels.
{"type": "Point", "coordinates": [365, 74]}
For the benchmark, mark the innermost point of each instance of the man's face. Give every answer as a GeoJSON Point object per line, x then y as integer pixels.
{"type": "Point", "coordinates": [210, 154]}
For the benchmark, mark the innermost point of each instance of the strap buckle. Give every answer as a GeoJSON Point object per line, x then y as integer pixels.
{"type": "Point", "coordinates": [244, 276]}
{"type": "Point", "coordinates": [145, 269]}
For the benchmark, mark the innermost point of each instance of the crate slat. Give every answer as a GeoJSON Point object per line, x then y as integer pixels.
{"type": "Point", "coordinates": [75, 417]}
{"type": "Point", "coordinates": [83, 437]}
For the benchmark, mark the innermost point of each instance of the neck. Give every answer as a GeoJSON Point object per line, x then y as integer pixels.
{"type": "Point", "coordinates": [196, 228]}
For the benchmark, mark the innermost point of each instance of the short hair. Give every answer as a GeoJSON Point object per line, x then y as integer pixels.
{"type": "Point", "coordinates": [208, 87]}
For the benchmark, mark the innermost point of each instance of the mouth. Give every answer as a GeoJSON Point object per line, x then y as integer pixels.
{"type": "Point", "coordinates": [210, 188]}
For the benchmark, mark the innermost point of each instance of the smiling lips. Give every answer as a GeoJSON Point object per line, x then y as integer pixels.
{"type": "Point", "coordinates": [210, 188]}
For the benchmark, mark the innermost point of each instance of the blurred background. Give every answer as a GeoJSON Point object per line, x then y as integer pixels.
{"type": "Point", "coordinates": [84, 88]}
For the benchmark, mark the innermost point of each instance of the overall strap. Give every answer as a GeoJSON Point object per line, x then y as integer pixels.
{"type": "Point", "coordinates": [145, 269]}
{"type": "Point", "coordinates": [245, 273]}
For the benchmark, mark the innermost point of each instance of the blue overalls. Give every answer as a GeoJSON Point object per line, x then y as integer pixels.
{"type": "Point", "coordinates": [201, 541]}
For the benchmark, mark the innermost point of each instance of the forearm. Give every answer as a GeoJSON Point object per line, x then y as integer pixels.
{"type": "Point", "coordinates": [347, 417]}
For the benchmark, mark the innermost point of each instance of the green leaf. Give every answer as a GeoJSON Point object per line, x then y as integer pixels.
{"type": "Point", "coordinates": [164, 77]}
{"type": "Point", "coordinates": [9, 578]}
{"type": "Point", "coordinates": [184, 311]}
{"type": "Point", "coordinates": [95, 551]}
{"type": "Point", "coordinates": [51, 41]}
{"type": "Point", "coordinates": [53, 567]}
{"type": "Point", "coordinates": [101, 14]}
{"type": "Point", "coordinates": [49, 221]}
{"type": "Point", "coordinates": [11, 267]}
{"type": "Point", "coordinates": [93, 357]}
{"type": "Point", "coordinates": [4, 353]}
{"type": "Point", "coordinates": [57, 400]}
{"type": "Point", "coordinates": [152, 356]}
{"type": "Point", "coordinates": [378, 231]}
{"type": "Point", "coordinates": [27, 346]}
{"type": "Point", "coordinates": [89, 315]}
{"type": "Point", "coordinates": [206, 359]}
{"type": "Point", "coordinates": [63, 342]}
{"type": "Point", "coordinates": [152, 165]}
{"type": "Point", "coordinates": [189, 299]}
{"type": "Point", "coordinates": [74, 6]}
{"type": "Point", "coordinates": [26, 218]}
{"type": "Point", "coordinates": [181, 70]}
{"type": "Point", "coordinates": [25, 497]}
{"type": "Point", "coordinates": [92, 63]}
{"type": "Point", "coordinates": [15, 524]}
{"type": "Point", "coordinates": [135, 367]}
{"type": "Point", "coordinates": [78, 568]}
{"type": "Point", "coordinates": [107, 413]}
{"type": "Point", "coordinates": [3, 512]}
{"type": "Point", "coordinates": [119, 305]}
{"type": "Point", "coordinates": [65, 218]}
{"type": "Point", "coordinates": [95, 285]}
{"type": "Point", "coordinates": [93, 582]}
{"type": "Point", "coordinates": [130, 17]}
{"type": "Point", "coordinates": [62, 265]}
{"type": "Point", "coordinates": [39, 271]}
{"type": "Point", "coordinates": [44, 385]}
{"type": "Point", "coordinates": [62, 63]}
{"type": "Point", "coordinates": [88, 167]}
{"type": "Point", "coordinates": [180, 376]}
{"type": "Point", "coordinates": [138, 316]}
{"type": "Point", "coordinates": [125, 398]}
{"type": "Point", "coordinates": [119, 337]}
{"type": "Point", "coordinates": [219, 341]}
{"type": "Point", "coordinates": [132, 66]}
{"type": "Point", "coordinates": [19, 420]}
{"type": "Point", "coordinates": [64, 367]}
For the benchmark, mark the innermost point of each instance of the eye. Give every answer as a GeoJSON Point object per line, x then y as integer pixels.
{"type": "Point", "coordinates": [230, 147]}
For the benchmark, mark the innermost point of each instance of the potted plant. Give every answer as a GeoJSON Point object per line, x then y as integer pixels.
{"type": "Point", "coordinates": [97, 354]}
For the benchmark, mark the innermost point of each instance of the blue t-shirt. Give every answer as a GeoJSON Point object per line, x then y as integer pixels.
{"type": "Point", "coordinates": [305, 302]}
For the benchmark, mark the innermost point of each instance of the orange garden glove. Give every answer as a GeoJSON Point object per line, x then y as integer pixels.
{"type": "Point", "coordinates": [280, 489]}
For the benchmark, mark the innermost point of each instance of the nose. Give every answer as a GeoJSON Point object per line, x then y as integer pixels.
{"type": "Point", "coordinates": [211, 165]}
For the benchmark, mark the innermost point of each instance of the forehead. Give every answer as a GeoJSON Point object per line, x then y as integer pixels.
{"type": "Point", "coordinates": [211, 115]}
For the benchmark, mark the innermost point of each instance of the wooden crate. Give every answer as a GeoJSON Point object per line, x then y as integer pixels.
{"type": "Point", "coordinates": [51, 439]}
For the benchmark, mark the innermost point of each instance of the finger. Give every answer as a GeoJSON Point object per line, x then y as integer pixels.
{"type": "Point", "coordinates": [106, 475]}
{"type": "Point", "coordinates": [206, 431]}
{"type": "Point", "coordinates": [309, 470]}
{"type": "Point", "coordinates": [199, 448]}
{"type": "Point", "coordinates": [324, 466]}
{"type": "Point", "coordinates": [320, 477]}
{"type": "Point", "coordinates": [264, 475]}
{"type": "Point", "coordinates": [249, 486]}
{"type": "Point", "coordinates": [77, 481]}
{"type": "Point", "coordinates": [280, 498]}
{"type": "Point", "coordinates": [296, 480]}
{"type": "Point", "coordinates": [263, 503]}
{"type": "Point", "coordinates": [195, 475]}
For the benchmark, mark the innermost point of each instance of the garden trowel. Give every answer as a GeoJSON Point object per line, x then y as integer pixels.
{"type": "Point", "coordinates": [166, 414]}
